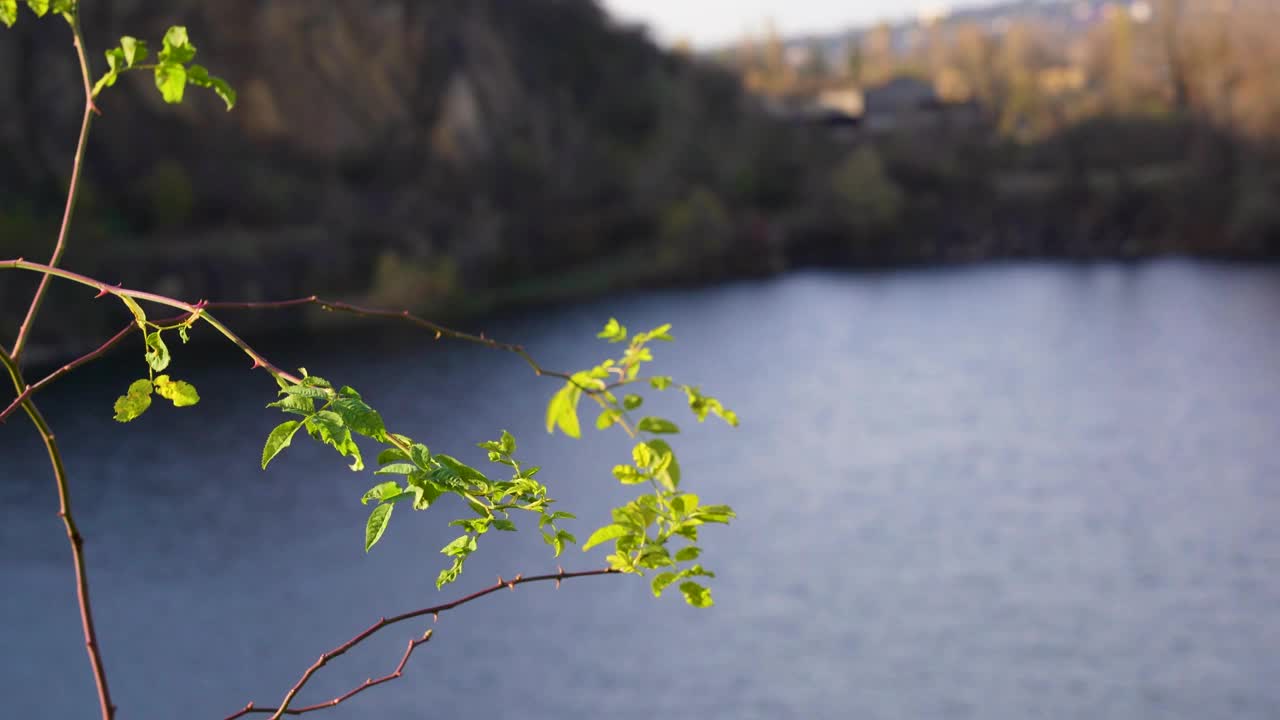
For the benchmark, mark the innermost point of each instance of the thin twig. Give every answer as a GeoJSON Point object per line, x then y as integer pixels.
{"type": "Point", "coordinates": [88, 357]}
{"type": "Point", "coordinates": [73, 536]}
{"type": "Point", "coordinates": [73, 191]}
{"type": "Point", "coordinates": [385, 622]}
{"type": "Point", "coordinates": [371, 682]}
{"type": "Point", "coordinates": [201, 309]}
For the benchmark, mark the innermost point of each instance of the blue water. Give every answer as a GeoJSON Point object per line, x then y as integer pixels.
{"type": "Point", "coordinates": [1010, 492]}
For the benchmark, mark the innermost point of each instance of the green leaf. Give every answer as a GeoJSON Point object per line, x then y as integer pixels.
{"type": "Point", "coordinates": [504, 525]}
{"type": "Point", "coordinates": [507, 443]}
{"type": "Point", "coordinates": [421, 456]}
{"type": "Point", "coordinates": [177, 46]}
{"type": "Point", "coordinates": [134, 402]}
{"type": "Point", "coordinates": [171, 81]}
{"type": "Point", "coordinates": [613, 331]}
{"type": "Point", "coordinates": [669, 475]}
{"type": "Point", "coordinates": [377, 525]}
{"type": "Point", "coordinates": [607, 418]}
{"type": "Point", "coordinates": [460, 547]}
{"type": "Point", "coordinates": [360, 417]}
{"type": "Point", "coordinates": [9, 12]}
{"type": "Point", "coordinates": [661, 581]}
{"type": "Point", "coordinates": [628, 475]}
{"type": "Point", "coordinates": [199, 76]}
{"type": "Point", "coordinates": [657, 426]}
{"type": "Point", "coordinates": [380, 492]}
{"type": "Point", "coordinates": [328, 427]}
{"type": "Point", "coordinates": [449, 575]}
{"type": "Point", "coordinates": [157, 352]}
{"type": "Point", "coordinates": [278, 440]}
{"type": "Point", "coordinates": [685, 504]}
{"type": "Point", "coordinates": [180, 392]}
{"type": "Point", "coordinates": [135, 50]}
{"type": "Point", "coordinates": [39, 7]}
{"type": "Point", "coordinates": [696, 595]}
{"type": "Point", "coordinates": [297, 404]}
{"type": "Point", "coordinates": [562, 411]}
{"type": "Point", "coordinates": [396, 469]}
{"type": "Point", "coordinates": [662, 332]}
{"type": "Point", "coordinates": [605, 534]}
{"type": "Point", "coordinates": [687, 554]}
{"type": "Point", "coordinates": [390, 455]}
{"type": "Point", "coordinates": [138, 315]}
{"type": "Point", "coordinates": [304, 391]}
{"type": "Point", "coordinates": [660, 382]}
{"type": "Point", "coordinates": [631, 402]}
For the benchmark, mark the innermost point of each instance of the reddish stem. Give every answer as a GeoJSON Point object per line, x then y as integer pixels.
{"type": "Point", "coordinates": [383, 623]}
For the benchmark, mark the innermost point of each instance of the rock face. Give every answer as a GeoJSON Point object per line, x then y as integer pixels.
{"type": "Point", "coordinates": [377, 142]}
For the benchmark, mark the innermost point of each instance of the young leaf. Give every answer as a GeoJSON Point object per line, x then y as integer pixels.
{"type": "Point", "coordinates": [657, 426]}
{"type": "Point", "coordinates": [461, 546]}
{"type": "Point", "coordinates": [135, 50]}
{"type": "Point", "coordinates": [605, 534]}
{"type": "Point", "coordinates": [660, 382]}
{"type": "Point", "coordinates": [380, 492]}
{"type": "Point", "coordinates": [278, 440]}
{"type": "Point", "coordinates": [631, 402]}
{"type": "Point", "coordinates": [171, 81]}
{"type": "Point", "coordinates": [689, 553]}
{"type": "Point", "coordinates": [9, 12]}
{"type": "Point", "coordinates": [670, 475]}
{"type": "Point", "coordinates": [607, 418]}
{"type": "Point", "coordinates": [613, 331]}
{"type": "Point", "coordinates": [39, 7]}
{"type": "Point", "coordinates": [199, 76]}
{"type": "Point", "coordinates": [661, 581]}
{"type": "Point", "coordinates": [421, 456]}
{"type": "Point", "coordinates": [328, 427]}
{"type": "Point", "coordinates": [377, 525]}
{"type": "Point", "coordinates": [179, 392]}
{"type": "Point", "coordinates": [138, 315]}
{"type": "Point", "coordinates": [696, 595]}
{"type": "Point", "coordinates": [360, 417]}
{"type": "Point", "coordinates": [177, 46]}
{"type": "Point", "coordinates": [504, 525]}
{"type": "Point", "coordinates": [562, 411]}
{"type": "Point", "coordinates": [157, 352]}
{"type": "Point", "coordinates": [134, 402]}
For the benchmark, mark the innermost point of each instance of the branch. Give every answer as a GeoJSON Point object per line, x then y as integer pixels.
{"type": "Point", "coordinates": [394, 674]}
{"type": "Point", "coordinates": [404, 315]}
{"type": "Point", "coordinates": [73, 535]}
{"type": "Point", "coordinates": [434, 611]}
{"type": "Point", "coordinates": [201, 309]}
{"type": "Point", "coordinates": [73, 191]}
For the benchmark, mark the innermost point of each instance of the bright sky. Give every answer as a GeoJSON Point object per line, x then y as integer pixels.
{"type": "Point", "coordinates": [709, 23]}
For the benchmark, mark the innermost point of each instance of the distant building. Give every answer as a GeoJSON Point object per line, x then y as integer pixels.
{"type": "Point", "coordinates": [909, 103]}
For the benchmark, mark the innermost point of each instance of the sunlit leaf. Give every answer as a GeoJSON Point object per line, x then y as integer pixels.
{"type": "Point", "coordinates": [657, 426]}
{"type": "Point", "coordinates": [134, 402]}
{"type": "Point", "coordinates": [605, 534]}
{"type": "Point", "coordinates": [157, 352]}
{"type": "Point", "coordinates": [278, 440]}
{"type": "Point", "coordinates": [377, 525]}
{"type": "Point", "coordinates": [696, 595]}
{"type": "Point", "coordinates": [180, 392]}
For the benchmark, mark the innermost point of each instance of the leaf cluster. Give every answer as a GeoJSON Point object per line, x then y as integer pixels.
{"type": "Point", "coordinates": [64, 8]}
{"type": "Point", "coordinates": [173, 68]}
{"type": "Point", "coordinates": [337, 417]}
{"type": "Point", "coordinates": [137, 399]}
{"type": "Point", "coordinates": [644, 529]}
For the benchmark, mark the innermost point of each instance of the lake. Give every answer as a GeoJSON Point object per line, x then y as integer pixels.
{"type": "Point", "coordinates": [1005, 492]}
